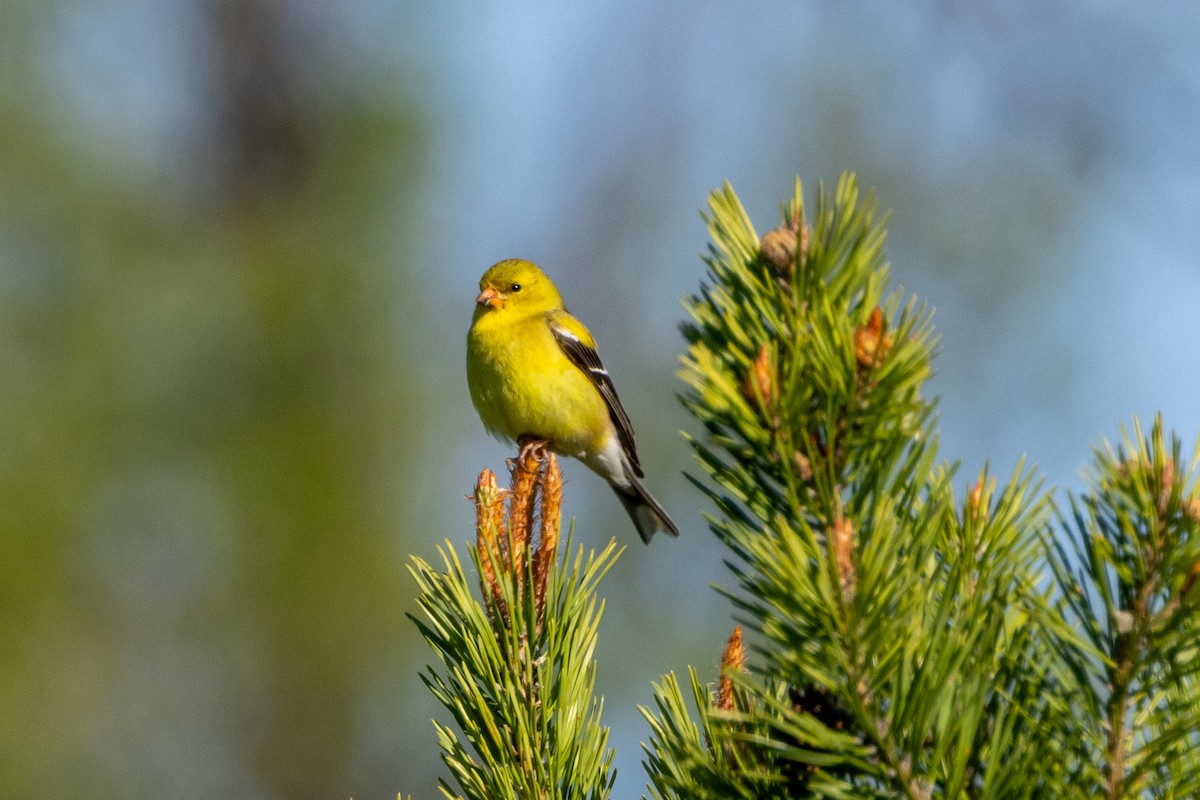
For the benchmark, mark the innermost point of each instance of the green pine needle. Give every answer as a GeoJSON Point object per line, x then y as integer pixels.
{"type": "Point", "coordinates": [524, 700]}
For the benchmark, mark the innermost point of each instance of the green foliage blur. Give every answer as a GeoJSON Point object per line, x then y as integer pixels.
{"type": "Point", "coordinates": [202, 418]}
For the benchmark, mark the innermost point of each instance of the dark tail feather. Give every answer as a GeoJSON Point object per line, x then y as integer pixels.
{"type": "Point", "coordinates": [647, 515]}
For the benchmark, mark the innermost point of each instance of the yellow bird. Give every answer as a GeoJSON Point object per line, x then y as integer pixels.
{"type": "Point", "coordinates": [534, 374]}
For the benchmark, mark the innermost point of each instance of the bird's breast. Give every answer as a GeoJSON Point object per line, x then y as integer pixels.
{"type": "Point", "coordinates": [523, 384]}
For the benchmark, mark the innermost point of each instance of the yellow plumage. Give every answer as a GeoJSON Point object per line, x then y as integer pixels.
{"type": "Point", "coordinates": [533, 372]}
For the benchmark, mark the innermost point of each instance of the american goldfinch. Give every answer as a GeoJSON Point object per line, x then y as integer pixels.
{"type": "Point", "coordinates": [534, 373]}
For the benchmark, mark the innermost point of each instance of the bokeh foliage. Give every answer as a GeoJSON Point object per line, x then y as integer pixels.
{"type": "Point", "coordinates": [203, 417]}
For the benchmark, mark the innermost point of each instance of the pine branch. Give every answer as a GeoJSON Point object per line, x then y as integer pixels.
{"type": "Point", "coordinates": [517, 669]}
{"type": "Point", "coordinates": [1128, 574]}
{"type": "Point", "coordinates": [897, 623]}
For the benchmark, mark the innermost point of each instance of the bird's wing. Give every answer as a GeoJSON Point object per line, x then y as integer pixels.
{"type": "Point", "coordinates": [578, 346]}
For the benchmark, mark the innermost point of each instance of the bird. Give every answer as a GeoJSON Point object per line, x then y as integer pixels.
{"type": "Point", "coordinates": [534, 375]}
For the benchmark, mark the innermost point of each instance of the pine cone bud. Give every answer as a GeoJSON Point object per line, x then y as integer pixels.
{"type": "Point", "coordinates": [733, 659]}
{"type": "Point", "coordinates": [780, 246]}
{"type": "Point", "coordinates": [758, 386]}
{"type": "Point", "coordinates": [871, 343]}
{"type": "Point", "coordinates": [843, 547]}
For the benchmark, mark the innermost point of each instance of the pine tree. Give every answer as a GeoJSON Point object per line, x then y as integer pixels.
{"type": "Point", "coordinates": [902, 633]}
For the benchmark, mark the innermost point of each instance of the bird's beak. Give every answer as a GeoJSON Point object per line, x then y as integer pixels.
{"type": "Point", "coordinates": [491, 298]}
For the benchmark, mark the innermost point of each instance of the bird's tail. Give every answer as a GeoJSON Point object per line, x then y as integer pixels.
{"type": "Point", "coordinates": [647, 515]}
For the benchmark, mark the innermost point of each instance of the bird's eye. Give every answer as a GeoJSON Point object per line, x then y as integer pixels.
{"type": "Point", "coordinates": [516, 287]}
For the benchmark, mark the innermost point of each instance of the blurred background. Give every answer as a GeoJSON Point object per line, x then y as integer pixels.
{"type": "Point", "coordinates": [239, 243]}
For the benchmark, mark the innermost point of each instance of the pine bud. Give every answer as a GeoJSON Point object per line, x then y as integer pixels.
{"type": "Point", "coordinates": [871, 343]}
{"type": "Point", "coordinates": [489, 522]}
{"type": "Point", "coordinates": [803, 466]}
{"type": "Point", "coordinates": [780, 246]}
{"type": "Point", "coordinates": [843, 546]}
{"type": "Point", "coordinates": [733, 659]}
{"type": "Point", "coordinates": [1167, 488]}
{"type": "Point", "coordinates": [551, 485]}
{"type": "Point", "coordinates": [525, 470]}
{"type": "Point", "coordinates": [758, 386]}
{"type": "Point", "coordinates": [975, 501]}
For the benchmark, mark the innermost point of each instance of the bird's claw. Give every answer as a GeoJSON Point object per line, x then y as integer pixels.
{"type": "Point", "coordinates": [531, 448]}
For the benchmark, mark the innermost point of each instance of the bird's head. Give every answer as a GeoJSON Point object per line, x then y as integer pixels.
{"type": "Point", "coordinates": [516, 284]}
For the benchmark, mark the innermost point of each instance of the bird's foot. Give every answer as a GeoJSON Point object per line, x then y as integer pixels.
{"type": "Point", "coordinates": [525, 469]}
{"type": "Point", "coordinates": [532, 447]}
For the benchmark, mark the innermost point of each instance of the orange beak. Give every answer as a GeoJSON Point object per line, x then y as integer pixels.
{"type": "Point", "coordinates": [491, 298]}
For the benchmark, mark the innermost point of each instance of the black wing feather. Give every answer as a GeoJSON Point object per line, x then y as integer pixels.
{"type": "Point", "coordinates": [588, 360]}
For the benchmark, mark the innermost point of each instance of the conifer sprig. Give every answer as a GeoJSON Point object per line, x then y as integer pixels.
{"type": "Point", "coordinates": [1127, 569]}
{"type": "Point", "coordinates": [894, 621]}
{"type": "Point", "coordinates": [517, 670]}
